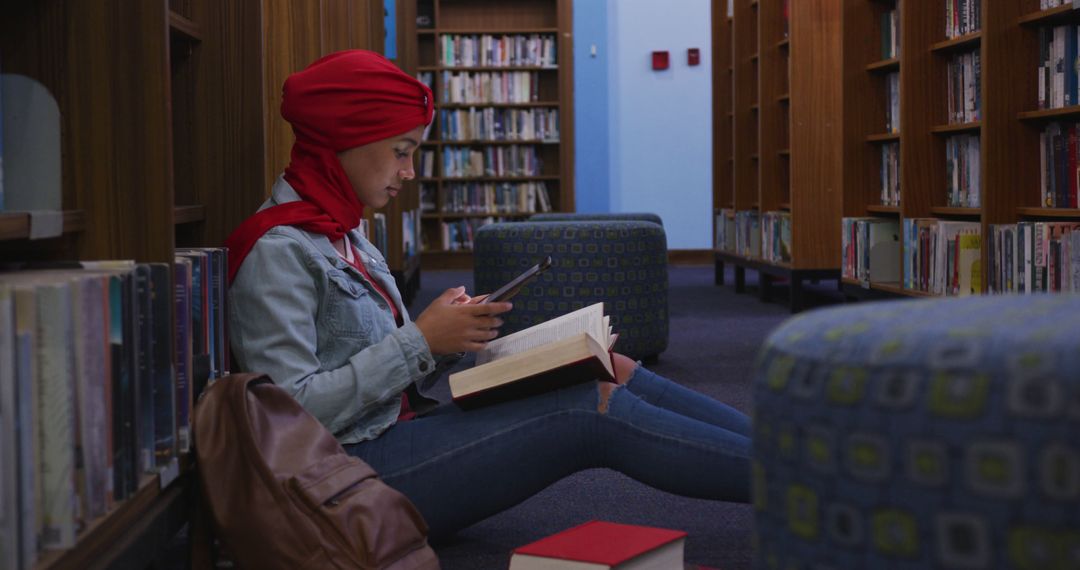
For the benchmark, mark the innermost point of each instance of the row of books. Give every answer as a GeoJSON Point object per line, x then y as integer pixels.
{"type": "Point", "coordinates": [962, 179]}
{"type": "Point", "coordinates": [751, 234]}
{"type": "Point", "coordinates": [375, 231]}
{"type": "Point", "coordinates": [963, 77]}
{"type": "Point", "coordinates": [1057, 72]}
{"type": "Point", "coordinates": [892, 102]}
{"type": "Point", "coordinates": [942, 257]}
{"type": "Point", "coordinates": [890, 32]}
{"type": "Point", "coordinates": [890, 174]}
{"type": "Point", "coordinates": [871, 250]}
{"type": "Point", "coordinates": [426, 166]}
{"type": "Point", "coordinates": [491, 124]}
{"type": "Point", "coordinates": [458, 235]}
{"type": "Point", "coordinates": [962, 17]}
{"type": "Point", "coordinates": [100, 363]}
{"type": "Point", "coordinates": [776, 237]}
{"type": "Point", "coordinates": [491, 198]}
{"type": "Point", "coordinates": [486, 87]}
{"type": "Point", "coordinates": [1029, 257]}
{"type": "Point", "coordinates": [1058, 165]}
{"type": "Point", "coordinates": [511, 160]}
{"type": "Point", "coordinates": [410, 232]}
{"type": "Point", "coordinates": [747, 233]}
{"type": "Point", "coordinates": [532, 50]}
{"type": "Point", "coordinates": [1047, 4]}
{"type": "Point", "coordinates": [725, 230]}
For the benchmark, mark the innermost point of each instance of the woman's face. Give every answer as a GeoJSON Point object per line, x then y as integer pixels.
{"type": "Point", "coordinates": [376, 170]}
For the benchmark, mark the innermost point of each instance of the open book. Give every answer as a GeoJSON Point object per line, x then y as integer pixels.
{"type": "Point", "coordinates": [573, 348]}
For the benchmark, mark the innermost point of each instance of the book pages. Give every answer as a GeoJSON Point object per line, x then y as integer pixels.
{"type": "Point", "coordinates": [589, 320]}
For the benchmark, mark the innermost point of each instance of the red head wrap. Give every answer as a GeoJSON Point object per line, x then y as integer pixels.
{"type": "Point", "coordinates": [344, 100]}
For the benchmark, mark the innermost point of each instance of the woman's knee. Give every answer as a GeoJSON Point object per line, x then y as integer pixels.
{"type": "Point", "coordinates": [624, 367]}
{"type": "Point", "coordinates": [605, 390]}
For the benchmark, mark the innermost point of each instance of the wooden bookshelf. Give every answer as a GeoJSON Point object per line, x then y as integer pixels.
{"type": "Point", "coordinates": [424, 49]}
{"type": "Point", "coordinates": [786, 57]}
{"type": "Point", "coordinates": [1008, 127]}
{"type": "Point", "coordinates": [723, 117]}
{"type": "Point", "coordinates": [745, 130]}
{"type": "Point", "coordinates": [171, 137]}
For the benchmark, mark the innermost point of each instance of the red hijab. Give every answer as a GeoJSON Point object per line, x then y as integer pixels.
{"type": "Point", "coordinates": [344, 100]}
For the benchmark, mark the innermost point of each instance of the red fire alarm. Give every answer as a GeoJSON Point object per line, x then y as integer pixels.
{"type": "Point", "coordinates": [659, 60]}
{"type": "Point", "coordinates": [693, 56]}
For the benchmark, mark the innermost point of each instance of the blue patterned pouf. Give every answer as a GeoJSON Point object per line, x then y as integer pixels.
{"type": "Point", "coordinates": [622, 263]}
{"type": "Point", "coordinates": [921, 434]}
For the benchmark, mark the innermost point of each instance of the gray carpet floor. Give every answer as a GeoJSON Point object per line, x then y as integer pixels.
{"type": "Point", "coordinates": [715, 335]}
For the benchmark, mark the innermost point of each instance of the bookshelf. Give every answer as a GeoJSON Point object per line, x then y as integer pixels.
{"type": "Point", "coordinates": [785, 164]}
{"type": "Point", "coordinates": [170, 137]}
{"type": "Point", "coordinates": [506, 143]}
{"type": "Point", "coordinates": [723, 121]}
{"type": "Point", "coordinates": [1006, 182]}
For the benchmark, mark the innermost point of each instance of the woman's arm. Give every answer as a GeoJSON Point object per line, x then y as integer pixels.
{"type": "Point", "coordinates": [274, 303]}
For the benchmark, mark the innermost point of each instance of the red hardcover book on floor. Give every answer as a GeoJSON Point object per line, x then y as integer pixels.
{"type": "Point", "coordinates": [599, 544]}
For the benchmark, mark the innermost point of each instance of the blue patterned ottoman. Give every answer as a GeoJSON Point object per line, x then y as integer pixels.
{"type": "Point", "coordinates": [921, 434]}
{"type": "Point", "coordinates": [598, 217]}
{"type": "Point", "coordinates": [622, 263]}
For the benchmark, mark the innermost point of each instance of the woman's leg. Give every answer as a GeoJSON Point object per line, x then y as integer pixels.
{"type": "Point", "coordinates": [461, 467]}
{"type": "Point", "coordinates": [664, 393]}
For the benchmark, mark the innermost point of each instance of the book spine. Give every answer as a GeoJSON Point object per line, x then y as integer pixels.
{"type": "Point", "coordinates": [56, 381]}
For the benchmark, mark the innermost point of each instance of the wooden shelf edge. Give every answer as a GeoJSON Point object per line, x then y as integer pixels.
{"type": "Point", "coordinates": [102, 533]}
{"type": "Point", "coordinates": [957, 128]}
{"type": "Point", "coordinates": [1048, 212]}
{"type": "Point", "coordinates": [884, 65]}
{"type": "Point", "coordinates": [881, 209]}
{"type": "Point", "coordinates": [185, 28]}
{"type": "Point", "coordinates": [898, 289]}
{"type": "Point", "coordinates": [956, 211]}
{"type": "Point", "coordinates": [958, 43]}
{"type": "Point", "coordinates": [1049, 114]}
{"type": "Point", "coordinates": [16, 225]}
{"type": "Point", "coordinates": [1043, 16]}
{"type": "Point", "coordinates": [883, 137]}
{"type": "Point", "coordinates": [188, 214]}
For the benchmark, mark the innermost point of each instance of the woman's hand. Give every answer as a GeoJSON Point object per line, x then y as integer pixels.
{"type": "Point", "coordinates": [451, 325]}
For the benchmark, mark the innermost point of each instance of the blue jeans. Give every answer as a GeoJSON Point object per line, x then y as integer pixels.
{"type": "Point", "coordinates": [459, 467]}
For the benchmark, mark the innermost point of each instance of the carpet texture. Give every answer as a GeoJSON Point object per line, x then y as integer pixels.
{"type": "Point", "coordinates": [715, 335]}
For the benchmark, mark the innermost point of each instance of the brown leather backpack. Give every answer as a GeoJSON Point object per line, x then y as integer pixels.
{"type": "Point", "coordinates": [282, 493]}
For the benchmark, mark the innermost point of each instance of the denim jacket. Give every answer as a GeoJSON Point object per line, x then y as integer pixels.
{"type": "Point", "coordinates": [314, 324]}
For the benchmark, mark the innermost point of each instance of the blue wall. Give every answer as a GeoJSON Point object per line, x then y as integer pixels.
{"type": "Point", "coordinates": [657, 152]}
{"type": "Point", "coordinates": [591, 161]}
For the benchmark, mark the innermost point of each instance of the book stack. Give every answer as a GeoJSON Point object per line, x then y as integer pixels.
{"type": "Point", "coordinates": [100, 363]}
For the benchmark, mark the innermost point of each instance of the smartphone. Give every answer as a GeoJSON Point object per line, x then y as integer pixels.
{"type": "Point", "coordinates": [507, 291]}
